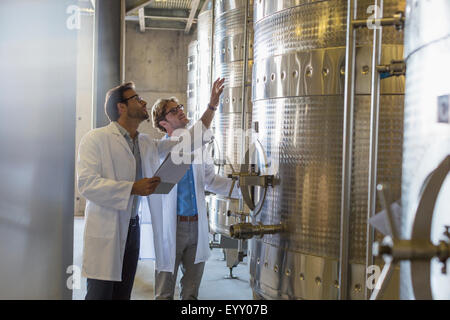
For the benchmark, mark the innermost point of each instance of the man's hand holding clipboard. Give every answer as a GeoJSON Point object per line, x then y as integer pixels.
{"type": "Point", "coordinates": [170, 174]}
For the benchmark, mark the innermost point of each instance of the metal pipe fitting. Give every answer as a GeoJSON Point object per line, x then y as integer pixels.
{"type": "Point", "coordinates": [395, 68]}
{"type": "Point", "coordinates": [408, 249]}
{"type": "Point", "coordinates": [397, 20]}
{"type": "Point", "coordinates": [248, 230]}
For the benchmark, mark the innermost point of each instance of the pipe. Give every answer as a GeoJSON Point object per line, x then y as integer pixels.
{"type": "Point", "coordinates": [123, 31]}
{"type": "Point", "coordinates": [244, 83]}
{"type": "Point", "coordinates": [248, 230]}
{"type": "Point", "coordinates": [244, 141]}
{"type": "Point", "coordinates": [373, 151]}
{"type": "Point", "coordinates": [397, 20]}
{"type": "Point", "coordinates": [347, 149]}
{"type": "Point", "coordinates": [211, 61]}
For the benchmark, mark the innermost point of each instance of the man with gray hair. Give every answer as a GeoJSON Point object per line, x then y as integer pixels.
{"type": "Point", "coordinates": [115, 169]}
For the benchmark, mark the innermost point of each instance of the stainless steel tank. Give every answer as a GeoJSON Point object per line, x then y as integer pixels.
{"type": "Point", "coordinates": [426, 136]}
{"type": "Point", "coordinates": [192, 77]}
{"type": "Point", "coordinates": [234, 114]}
{"type": "Point", "coordinates": [298, 110]}
{"type": "Point", "coordinates": [204, 31]}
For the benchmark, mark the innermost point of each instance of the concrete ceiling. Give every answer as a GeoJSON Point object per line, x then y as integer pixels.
{"type": "Point", "coordinates": [177, 15]}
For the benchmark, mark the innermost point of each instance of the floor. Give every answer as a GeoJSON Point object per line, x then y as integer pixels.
{"type": "Point", "coordinates": [214, 285]}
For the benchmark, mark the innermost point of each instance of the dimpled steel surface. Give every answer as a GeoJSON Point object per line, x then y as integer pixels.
{"type": "Point", "coordinates": [204, 57]}
{"type": "Point", "coordinates": [229, 59]}
{"type": "Point", "coordinates": [192, 87]}
{"type": "Point", "coordinates": [298, 103]}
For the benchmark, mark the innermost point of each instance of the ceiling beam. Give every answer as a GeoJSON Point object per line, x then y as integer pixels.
{"type": "Point", "coordinates": [164, 29]}
{"type": "Point", "coordinates": [178, 25]}
{"type": "Point", "coordinates": [179, 13]}
{"type": "Point", "coordinates": [138, 5]}
{"type": "Point", "coordinates": [169, 18]}
{"type": "Point", "coordinates": [136, 18]}
{"type": "Point", "coordinates": [176, 13]}
{"type": "Point", "coordinates": [194, 7]}
{"type": "Point", "coordinates": [204, 6]}
{"type": "Point", "coordinates": [141, 19]}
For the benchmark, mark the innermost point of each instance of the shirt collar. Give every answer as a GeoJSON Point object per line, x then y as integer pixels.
{"type": "Point", "coordinates": [124, 131]}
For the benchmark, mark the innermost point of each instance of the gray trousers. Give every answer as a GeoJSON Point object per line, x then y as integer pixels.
{"type": "Point", "coordinates": [187, 233]}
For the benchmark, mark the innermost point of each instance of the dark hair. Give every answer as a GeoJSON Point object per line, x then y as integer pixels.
{"type": "Point", "coordinates": [113, 97]}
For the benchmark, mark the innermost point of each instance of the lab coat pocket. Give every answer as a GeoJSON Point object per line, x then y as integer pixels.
{"type": "Point", "coordinates": [101, 222]}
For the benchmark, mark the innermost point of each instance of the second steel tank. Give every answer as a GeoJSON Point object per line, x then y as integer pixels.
{"type": "Point", "coordinates": [298, 110]}
{"type": "Point", "coordinates": [232, 26]}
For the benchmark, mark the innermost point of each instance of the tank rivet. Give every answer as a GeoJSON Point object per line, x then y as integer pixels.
{"type": "Point", "coordinates": [365, 70]}
{"type": "Point", "coordinates": [318, 281]}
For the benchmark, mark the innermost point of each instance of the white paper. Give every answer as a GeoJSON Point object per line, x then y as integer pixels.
{"type": "Point", "coordinates": [380, 220]}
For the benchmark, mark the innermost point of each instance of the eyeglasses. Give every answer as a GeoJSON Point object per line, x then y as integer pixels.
{"type": "Point", "coordinates": [138, 98]}
{"type": "Point", "coordinates": [175, 110]}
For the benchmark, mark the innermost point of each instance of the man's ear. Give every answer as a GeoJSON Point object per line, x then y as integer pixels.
{"type": "Point", "coordinates": [121, 108]}
{"type": "Point", "coordinates": [164, 124]}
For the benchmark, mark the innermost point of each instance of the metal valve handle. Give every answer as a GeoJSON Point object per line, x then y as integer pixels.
{"type": "Point", "coordinates": [248, 179]}
{"type": "Point", "coordinates": [419, 249]}
{"type": "Point", "coordinates": [424, 216]}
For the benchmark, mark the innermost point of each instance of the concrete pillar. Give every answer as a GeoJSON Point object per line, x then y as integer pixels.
{"type": "Point", "coordinates": [107, 54]}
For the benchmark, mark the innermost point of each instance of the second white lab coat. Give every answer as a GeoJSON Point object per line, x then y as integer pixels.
{"type": "Point", "coordinates": [204, 179]}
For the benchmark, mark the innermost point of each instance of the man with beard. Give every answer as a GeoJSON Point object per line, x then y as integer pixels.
{"type": "Point", "coordinates": [113, 169]}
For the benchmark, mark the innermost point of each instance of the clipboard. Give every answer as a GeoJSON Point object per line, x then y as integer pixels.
{"type": "Point", "coordinates": [170, 174]}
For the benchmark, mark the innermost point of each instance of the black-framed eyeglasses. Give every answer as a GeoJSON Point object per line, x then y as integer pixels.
{"type": "Point", "coordinates": [175, 110]}
{"type": "Point", "coordinates": [138, 98]}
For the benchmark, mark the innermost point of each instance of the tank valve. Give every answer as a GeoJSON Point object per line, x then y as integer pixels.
{"type": "Point", "coordinates": [248, 230]}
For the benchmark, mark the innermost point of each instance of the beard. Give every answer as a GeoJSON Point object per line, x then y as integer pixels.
{"type": "Point", "coordinates": [138, 114]}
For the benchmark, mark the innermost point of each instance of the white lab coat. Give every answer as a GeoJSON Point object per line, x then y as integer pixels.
{"type": "Point", "coordinates": [204, 179]}
{"type": "Point", "coordinates": [106, 171]}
